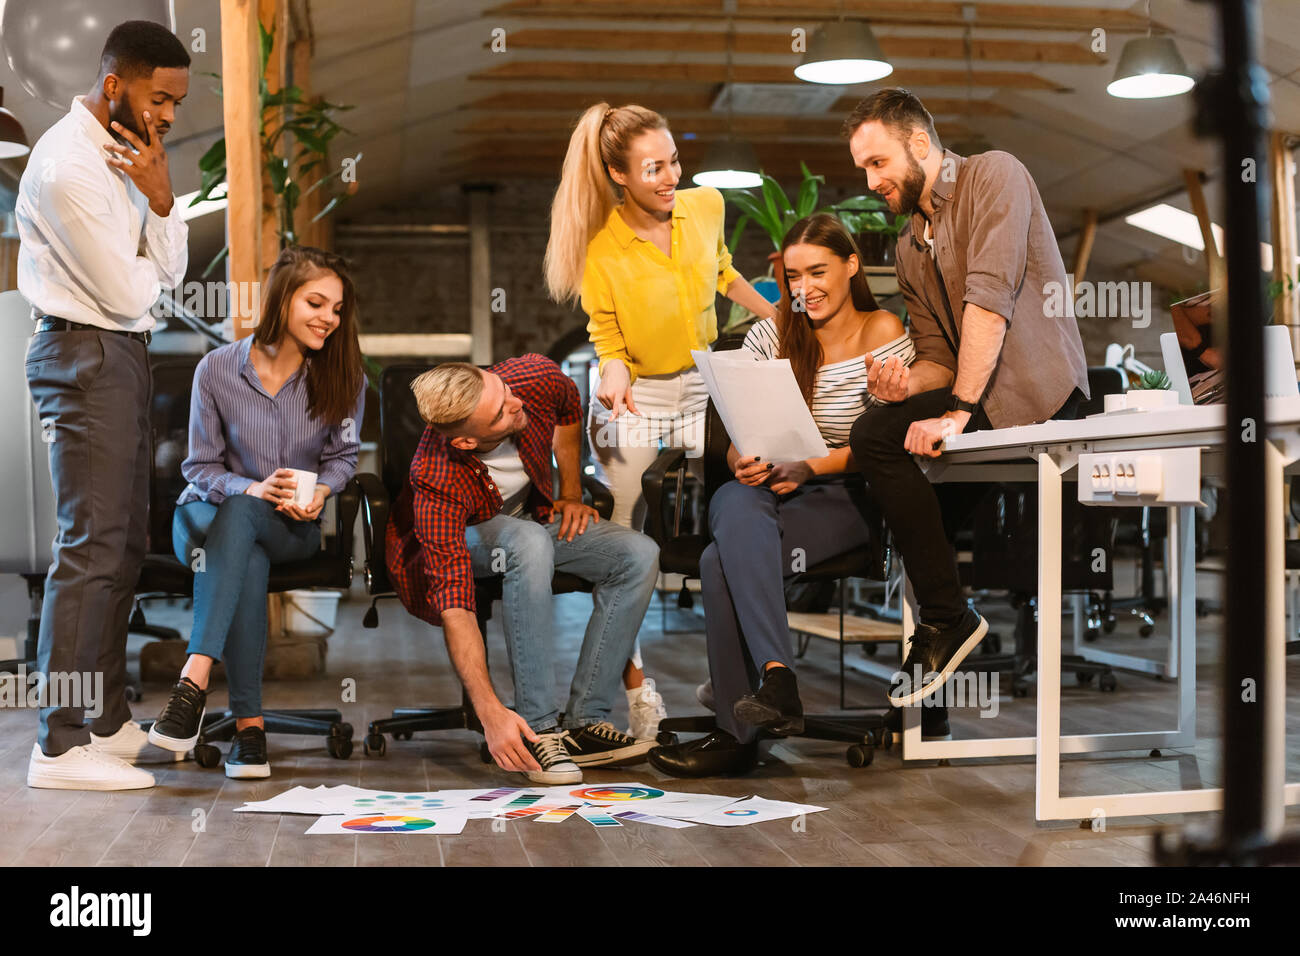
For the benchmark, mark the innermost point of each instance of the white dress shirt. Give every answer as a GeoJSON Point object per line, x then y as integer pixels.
{"type": "Point", "coordinates": [92, 251]}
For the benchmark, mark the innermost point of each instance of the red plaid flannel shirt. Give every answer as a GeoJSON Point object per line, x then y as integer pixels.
{"type": "Point", "coordinates": [450, 489]}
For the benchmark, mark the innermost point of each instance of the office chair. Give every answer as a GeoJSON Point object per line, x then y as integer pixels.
{"type": "Point", "coordinates": [163, 576]}
{"type": "Point", "coordinates": [401, 428]}
{"type": "Point", "coordinates": [680, 553]}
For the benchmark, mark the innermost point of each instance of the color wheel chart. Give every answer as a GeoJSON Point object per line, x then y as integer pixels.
{"type": "Point", "coordinates": [388, 824]}
{"type": "Point", "coordinates": [616, 794]}
{"type": "Point", "coordinates": [739, 813]}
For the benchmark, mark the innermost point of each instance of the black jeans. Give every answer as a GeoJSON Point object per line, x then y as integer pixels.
{"type": "Point", "coordinates": [908, 500]}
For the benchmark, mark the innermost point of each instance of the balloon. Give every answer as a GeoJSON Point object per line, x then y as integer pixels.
{"type": "Point", "coordinates": [53, 46]}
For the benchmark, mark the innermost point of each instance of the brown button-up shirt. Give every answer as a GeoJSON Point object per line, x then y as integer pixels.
{"type": "Point", "coordinates": [995, 248]}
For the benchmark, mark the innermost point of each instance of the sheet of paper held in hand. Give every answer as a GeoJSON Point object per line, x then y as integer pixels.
{"type": "Point", "coordinates": [760, 404]}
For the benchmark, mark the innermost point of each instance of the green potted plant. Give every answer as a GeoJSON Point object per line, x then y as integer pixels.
{"type": "Point", "coordinates": [1152, 391]}
{"type": "Point", "coordinates": [774, 212]}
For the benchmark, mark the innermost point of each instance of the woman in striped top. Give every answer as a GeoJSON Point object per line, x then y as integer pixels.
{"type": "Point", "coordinates": [289, 397]}
{"type": "Point", "coordinates": [778, 518]}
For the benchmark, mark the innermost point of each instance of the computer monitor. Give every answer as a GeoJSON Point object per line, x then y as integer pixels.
{"type": "Point", "coordinates": [1279, 365]}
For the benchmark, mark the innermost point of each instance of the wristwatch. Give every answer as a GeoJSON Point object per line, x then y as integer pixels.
{"type": "Point", "coordinates": [955, 404]}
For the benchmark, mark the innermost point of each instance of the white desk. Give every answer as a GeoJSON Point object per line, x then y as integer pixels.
{"type": "Point", "coordinates": [1055, 446]}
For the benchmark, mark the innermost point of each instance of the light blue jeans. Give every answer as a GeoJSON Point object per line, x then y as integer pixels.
{"type": "Point", "coordinates": [240, 539]}
{"type": "Point", "coordinates": [621, 564]}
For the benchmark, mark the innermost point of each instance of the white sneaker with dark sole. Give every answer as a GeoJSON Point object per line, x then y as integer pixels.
{"type": "Point", "coordinates": [84, 768]}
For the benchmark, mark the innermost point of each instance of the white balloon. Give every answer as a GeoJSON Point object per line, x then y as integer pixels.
{"type": "Point", "coordinates": [53, 46]}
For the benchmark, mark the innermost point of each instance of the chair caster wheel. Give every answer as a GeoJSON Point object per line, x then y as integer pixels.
{"type": "Point", "coordinates": [1155, 753]}
{"type": "Point", "coordinates": [859, 756]}
{"type": "Point", "coordinates": [1019, 688]}
{"type": "Point", "coordinates": [133, 693]}
{"type": "Point", "coordinates": [666, 738]}
{"type": "Point", "coordinates": [869, 649]}
{"type": "Point", "coordinates": [992, 644]}
{"type": "Point", "coordinates": [1107, 682]}
{"type": "Point", "coordinates": [1091, 634]}
{"type": "Point", "coordinates": [340, 748]}
{"type": "Point", "coordinates": [1146, 630]}
{"type": "Point", "coordinates": [374, 745]}
{"type": "Point", "coordinates": [484, 754]}
{"type": "Point", "coordinates": [943, 762]}
{"type": "Point", "coordinates": [341, 730]}
{"type": "Point", "coordinates": [206, 756]}
{"type": "Point", "coordinates": [404, 735]}
{"type": "Point", "coordinates": [1083, 677]}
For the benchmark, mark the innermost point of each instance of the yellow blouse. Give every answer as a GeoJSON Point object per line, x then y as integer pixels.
{"type": "Point", "coordinates": [649, 309]}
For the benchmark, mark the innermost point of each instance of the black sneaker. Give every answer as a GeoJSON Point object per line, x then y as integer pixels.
{"type": "Point", "coordinates": [247, 757]}
{"type": "Point", "coordinates": [600, 745]}
{"type": "Point", "coordinates": [934, 657]}
{"type": "Point", "coordinates": [177, 727]}
{"type": "Point", "coordinates": [717, 754]}
{"type": "Point", "coordinates": [934, 723]}
{"type": "Point", "coordinates": [776, 707]}
{"type": "Point", "coordinates": [550, 753]}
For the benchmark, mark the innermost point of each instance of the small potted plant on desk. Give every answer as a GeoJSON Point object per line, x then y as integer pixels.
{"type": "Point", "coordinates": [1151, 392]}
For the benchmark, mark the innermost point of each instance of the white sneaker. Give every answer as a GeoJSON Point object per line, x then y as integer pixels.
{"type": "Point", "coordinates": [645, 708]}
{"type": "Point", "coordinates": [84, 768]}
{"type": "Point", "coordinates": [131, 743]}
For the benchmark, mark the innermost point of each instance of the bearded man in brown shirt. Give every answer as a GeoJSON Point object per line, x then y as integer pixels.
{"type": "Point", "coordinates": [977, 265]}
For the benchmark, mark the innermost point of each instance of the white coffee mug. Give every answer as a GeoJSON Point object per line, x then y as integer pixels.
{"type": "Point", "coordinates": [305, 493]}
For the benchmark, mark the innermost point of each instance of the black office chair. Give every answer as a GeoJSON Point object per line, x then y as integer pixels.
{"type": "Point", "coordinates": [401, 428]}
{"type": "Point", "coordinates": [163, 576]}
{"type": "Point", "coordinates": [680, 554]}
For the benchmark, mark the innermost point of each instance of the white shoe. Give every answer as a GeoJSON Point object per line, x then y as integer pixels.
{"type": "Point", "coordinates": [131, 743]}
{"type": "Point", "coordinates": [704, 694]}
{"type": "Point", "coordinates": [84, 768]}
{"type": "Point", "coordinates": [645, 708]}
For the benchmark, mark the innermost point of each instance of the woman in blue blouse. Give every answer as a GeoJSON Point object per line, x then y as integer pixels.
{"type": "Point", "coordinates": [290, 396]}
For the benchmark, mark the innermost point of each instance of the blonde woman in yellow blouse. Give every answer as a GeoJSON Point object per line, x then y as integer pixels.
{"type": "Point", "coordinates": [646, 261]}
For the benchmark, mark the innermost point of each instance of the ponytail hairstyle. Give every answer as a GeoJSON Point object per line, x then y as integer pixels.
{"type": "Point", "coordinates": [586, 194]}
{"type": "Point", "coordinates": [799, 344]}
{"type": "Point", "coordinates": [334, 372]}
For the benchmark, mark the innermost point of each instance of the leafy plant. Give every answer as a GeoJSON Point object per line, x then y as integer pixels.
{"type": "Point", "coordinates": [312, 126]}
{"type": "Point", "coordinates": [775, 213]}
{"type": "Point", "coordinates": [1154, 379]}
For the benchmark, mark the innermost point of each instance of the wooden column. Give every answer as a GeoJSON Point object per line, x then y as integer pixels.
{"type": "Point", "coordinates": [1281, 165]}
{"type": "Point", "coordinates": [240, 65]}
{"type": "Point", "coordinates": [1086, 235]}
{"type": "Point", "coordinates": [1196, 195]}
{"type": "Point", "coordinates": [480, 278]}
{"type": "Point", "coordinates": [274, 16]}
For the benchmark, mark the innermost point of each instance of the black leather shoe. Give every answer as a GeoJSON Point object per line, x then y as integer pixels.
{"type": "Point", "coordinates": [935, 655]}
{"type": "Point", "coordinates": [715, 755]}
{"type": "Point", "coordinates": [776, 707]}
{"type": "Point", "coordinates": [247, 757]}
{"type": "Point", "coordinates": [934, 723]}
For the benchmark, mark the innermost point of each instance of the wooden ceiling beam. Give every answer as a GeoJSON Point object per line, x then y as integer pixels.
{"type": "Point", "coordinates": [609, 72]}
{"type": "Point", "coordinates": [1038, 16]}
{"type": "Point", "coordinates": [697, 41]}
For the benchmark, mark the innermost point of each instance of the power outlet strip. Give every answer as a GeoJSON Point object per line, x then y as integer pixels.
{"type": "Point", "coordinates": [1164, 476]}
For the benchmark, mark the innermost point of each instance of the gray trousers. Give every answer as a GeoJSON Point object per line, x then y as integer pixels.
{"type": "Point", "coordinates": [759, 540]}
{"type": "Point", "coordinates": [91, 388]}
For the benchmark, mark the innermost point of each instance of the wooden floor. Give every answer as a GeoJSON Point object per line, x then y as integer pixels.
{"type": "Point", "coordinates": [971, 813]}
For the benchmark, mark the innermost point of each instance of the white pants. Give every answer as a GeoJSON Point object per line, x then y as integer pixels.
{"type": "Point", "coordinates": [671, 415]}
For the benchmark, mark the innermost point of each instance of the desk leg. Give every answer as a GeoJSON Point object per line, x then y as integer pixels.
{"type": "Point", "coordinates": [1047, 763]}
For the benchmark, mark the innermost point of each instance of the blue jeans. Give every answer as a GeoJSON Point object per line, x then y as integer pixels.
{"type": "Point", "coordinates": [621, 564]}
{"type": "Point", "coordinates": [240, 539]}
{"type": "Point", "coordinates": [760, 539]}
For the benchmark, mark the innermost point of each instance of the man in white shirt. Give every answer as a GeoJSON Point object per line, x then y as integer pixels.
{"type": "Point", "coordinates": [101, 237]}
